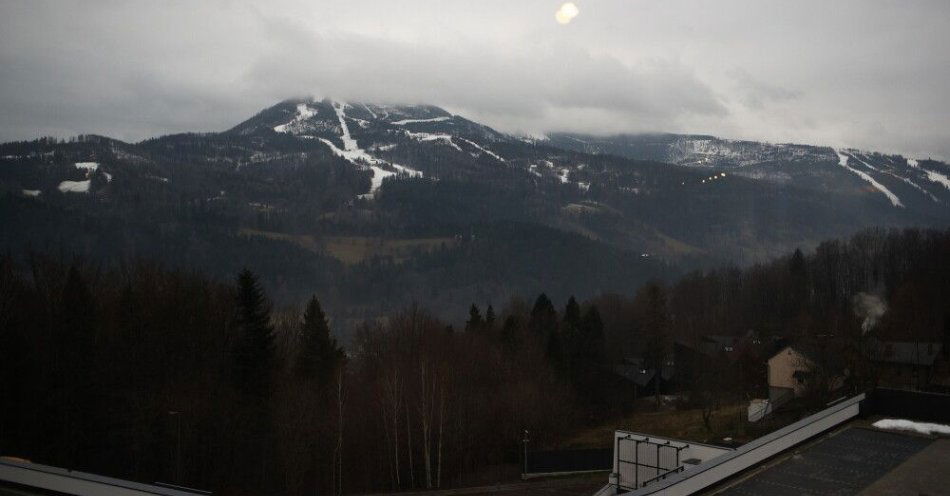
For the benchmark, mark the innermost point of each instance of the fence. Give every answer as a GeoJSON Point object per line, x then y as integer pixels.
{"type": "Point", "coordinates": [540, 463]}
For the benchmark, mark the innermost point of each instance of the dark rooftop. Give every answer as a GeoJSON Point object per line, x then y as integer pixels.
{"type": "Point", "coordinates": [842, 463]}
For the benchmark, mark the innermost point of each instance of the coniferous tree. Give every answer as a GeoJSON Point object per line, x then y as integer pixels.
{"type": "Point", "coordinates": [572, 313]}
{"type": "Point", "coordinates": [474, 322]}
{"type": "Point", "coordinates": [74, 365]}
{"type": "Point", "coordinates": [654, 319]}
{"type": "Point", "coordinates": [254, 350]}
{"type": "Point", "coordinates": [543, 316]}
{"type": "Point", "coordinates": [592, 332]}
{"type": "Point", "coordinates": [490, 318]}
{"type": "Point", "coordinates": [319, 355]}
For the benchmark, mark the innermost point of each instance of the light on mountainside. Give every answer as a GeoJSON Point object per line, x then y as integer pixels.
{"type": "Point", "coordinates": [566, 13]}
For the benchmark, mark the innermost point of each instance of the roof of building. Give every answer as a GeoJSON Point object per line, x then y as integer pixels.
{"type": "Point", "coordinates": [24, 478]}
{"type": "Point", "coordinates": [834, 451]}
{"type": "Point", "coordinates": [907, 352]}
{"type": "Point", "coordinates": [843, 462]}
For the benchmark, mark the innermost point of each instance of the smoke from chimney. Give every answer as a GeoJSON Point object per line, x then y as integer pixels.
{"type": "Point", "coordinates": [869, 307]}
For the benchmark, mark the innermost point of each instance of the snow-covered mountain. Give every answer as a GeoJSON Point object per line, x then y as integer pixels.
{"type": "Point", "coordinates": [898, 179]}
{"type": "Point", "coordinates": [340, 167]}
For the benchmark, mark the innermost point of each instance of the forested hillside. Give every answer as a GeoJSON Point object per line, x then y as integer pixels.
{"type": "Point", "coordinates": [377, 206]}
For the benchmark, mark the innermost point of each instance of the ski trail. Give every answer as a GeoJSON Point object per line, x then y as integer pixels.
{"type": "Point", "coordinates": [446, 138]}
{"type": "Point", "coordinates": [304, 112]}
{"type": "Point", "coordinates": [843, 162]}
{"type": "Point", "coordinates": [413, 121]}
{"type": "Point", "coordinates": [908, 181]}
{"type": "Point", "coordinates": [358, 156]}
{"type": "Point", "coordinates": [370, 111]}
{"type": "Point", "coordinates": [938, 178]}
{"type": "Point", "coordinates": [489, 152]}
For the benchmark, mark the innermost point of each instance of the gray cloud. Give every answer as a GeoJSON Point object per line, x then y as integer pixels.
{"type": "Point", "coordinates": [869, 74]}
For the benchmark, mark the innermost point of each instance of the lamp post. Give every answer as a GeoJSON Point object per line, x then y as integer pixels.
{"type": "Point", "coordinates": [524, 441]}
{"type": "Point", "coordinates": [177, 415]}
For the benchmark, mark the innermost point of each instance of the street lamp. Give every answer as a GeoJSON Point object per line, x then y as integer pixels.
{"type": "Point", "coordinates": [524, 440]}
{"type": "Point", "coordinates": [177, 415]}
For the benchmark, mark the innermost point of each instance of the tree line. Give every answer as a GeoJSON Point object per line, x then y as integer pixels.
{"type": "Point", "coordinates": [153, 374]}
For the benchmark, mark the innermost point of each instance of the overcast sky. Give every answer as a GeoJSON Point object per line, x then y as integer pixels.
{"type": "Point", "coordinates": [872, 74]}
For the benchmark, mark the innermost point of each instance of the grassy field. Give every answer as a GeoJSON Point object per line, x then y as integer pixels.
{"type": "Point", "coordinates": [355, 249]}
{"type": "Point", "coordinates": [678, 424]}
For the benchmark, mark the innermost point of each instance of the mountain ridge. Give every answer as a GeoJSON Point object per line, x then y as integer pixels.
{"type": "Point", "coordinates": [310, 178]}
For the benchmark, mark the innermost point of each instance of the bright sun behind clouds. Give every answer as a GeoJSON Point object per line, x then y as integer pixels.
{"type": "Point", "coordinates": [566, 13]}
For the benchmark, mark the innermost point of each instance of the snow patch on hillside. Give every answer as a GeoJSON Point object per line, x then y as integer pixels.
{"type": "Point", "coordinates": [913, 163]}
{"type": "Point", "coordinates": [483, 150]}
{"type": "Point", "coordinates": [304, 112]}
{"type": "Point", "coordinates": [904, 179]}
{"type": "Point", "coordinates": [359, 157]}
{"type": "Point", "coordinates": [843, 162]}
{"type": "Point", "coordinates": [444, 138]}
{"type": "Point", "coordinates": [414, 121]}
{"type": "Point", "coordinates": [370, 111]}
{"type": "Point", "coordinates": [33, 193]}
{"type": "Point", "coordinates": [938, 178]}
{"type": "Point", "coordinates": [88, 166]}
{"type": "Point", "coordinates": [564, 175]}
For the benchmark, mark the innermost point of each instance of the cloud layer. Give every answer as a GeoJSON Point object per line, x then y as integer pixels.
{"type": "Point", "coordinates": [870, 74]}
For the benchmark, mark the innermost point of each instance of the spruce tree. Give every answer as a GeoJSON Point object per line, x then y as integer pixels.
{"type": "Point", "coordinates": [490, 318]}
{"type": "Point", "coordinates": [592, 333]}
{"type": "Point", "coordinates": [543, 316]}
{"type": "Point", "coordinates": [254, 349]}
{"type": "Point", "coordinates": [474, 322]}
{"type": "Point", "coordinates": [74, 366]}
{"type": "Point", "coordinates": [572, 313]}
{"type": "Point", "coordinates": [319, 353]}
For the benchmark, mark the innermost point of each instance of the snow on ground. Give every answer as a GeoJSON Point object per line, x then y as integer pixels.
{"type": "Point", "coordinates": [904, 179]}
{"type": "Point", "coordinates": [938, 178]}
{"type": "Point", "coordinates": [564, 175]}
{"type": "Point", "coordinates": [843, 161]}
{"type": "Point", "coordinates": [384, 148]}
{"type": "Point", "coordinates": [483, 150]}
{"type": "Point", "coordinates": [377, 180]}
{"type": "Point", "coordinates": [370, 111]}
{"type": "Point", "coordinates": [915, 186]}
{"type": "Point", "coordinates": [909, 425]}
{"type": "Point", "coordinates": [583, 186]}
{"type": "Point", "coordinates": [32, 192]}
{"type": "Point", "coordinates": [74, 186]}
{"type": "Point", "coordinates": [89, 166]}
{"type": "Point", "coordinates": [304, 112]}
{"type": "Point", "coordinates": [357, 156]}
{"type": "Point", "coordinates": [913, 163]}
{"type": "Point", "coordinates": [402, 169]}
{"type": "Point", "coordinates": [533, 168]}
{"type": "Point", "coordinates": [363, 123]}
{"type": "Point", "coordinates": [108, 176]}
{"type": "Point", "coordinates": [445, 138]}
{"type": "Point", "coordinates": [413, 121]}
